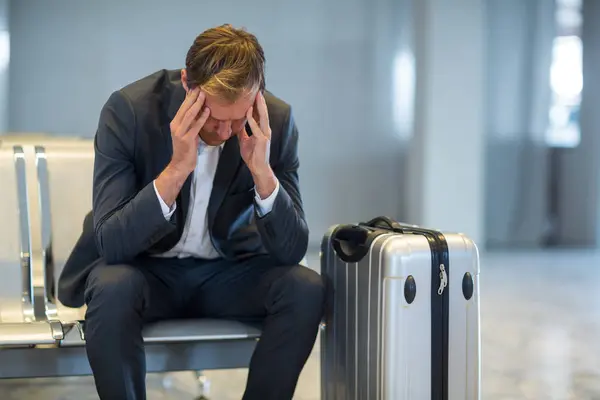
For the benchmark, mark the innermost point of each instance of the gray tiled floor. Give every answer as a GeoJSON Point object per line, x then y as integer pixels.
{"type": "Point", "coordinates": [540, 324]}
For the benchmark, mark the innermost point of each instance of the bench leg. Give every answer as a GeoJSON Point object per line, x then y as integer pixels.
{"type": "Point", "coordinates": [203, 386]}
{"type": "Point", "coordinates": [201, 380]}
{"type": "Point", "coordinates": [167, 382]}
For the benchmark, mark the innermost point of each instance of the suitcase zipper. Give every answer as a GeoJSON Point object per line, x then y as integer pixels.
{"type": "Point", "coordinates": [443, 279]}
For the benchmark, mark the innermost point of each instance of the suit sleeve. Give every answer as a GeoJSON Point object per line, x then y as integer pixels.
{"type": "Point", "coordinates": [284, 230]}
{"type": "Point", "coordinates": [127, 219]}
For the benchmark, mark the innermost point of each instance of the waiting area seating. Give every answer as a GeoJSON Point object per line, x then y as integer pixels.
{"type": "Point", "coordinates": [46, 192]}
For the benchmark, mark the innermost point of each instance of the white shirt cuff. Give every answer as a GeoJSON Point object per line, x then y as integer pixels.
{"type": "Point", "coordinates": [163, 206]}
{"type": "Point", "coordinates": [266, 205]}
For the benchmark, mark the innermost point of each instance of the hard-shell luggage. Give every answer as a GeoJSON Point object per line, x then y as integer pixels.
{"type": "Point", "coordinates": [403, 317]}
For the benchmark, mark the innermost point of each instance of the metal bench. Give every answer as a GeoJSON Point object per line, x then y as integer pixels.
{"type": "Point", "coordinates": [40, 337]}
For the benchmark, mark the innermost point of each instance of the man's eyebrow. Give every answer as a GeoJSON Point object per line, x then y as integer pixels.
{"type": "Point", "coordinates": [224, 120]}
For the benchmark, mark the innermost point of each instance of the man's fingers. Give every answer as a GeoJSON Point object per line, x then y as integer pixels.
{"type": "Point", "coordinates": [190, 98]}
{"type": "Point", "coordinates": [243, 135]}
{"type": "Point", "coordinates": [263, 115]}
{"type": "Point", "coordinates": [199, 123]}
{"type": "Point", "coordinates": [191, 114]}
{"type": "Point", "coordinates": [256, 131]}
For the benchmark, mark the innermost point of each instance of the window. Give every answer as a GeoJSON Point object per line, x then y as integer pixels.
{"type": "Point", "coordinates": [566, 76]}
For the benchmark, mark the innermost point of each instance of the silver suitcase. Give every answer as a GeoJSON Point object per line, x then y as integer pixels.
{"type": "Point", "coordinates": [403, 317]}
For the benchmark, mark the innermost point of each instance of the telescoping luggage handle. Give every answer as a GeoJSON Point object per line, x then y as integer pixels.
{"type": "Point", "coordinates": [387, 223]}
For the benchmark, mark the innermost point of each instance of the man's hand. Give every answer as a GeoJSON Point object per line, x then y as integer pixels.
{"type": "Point", "coordinates": [185, 129]}
{"type": "Point", "coordinates": [255, 149]}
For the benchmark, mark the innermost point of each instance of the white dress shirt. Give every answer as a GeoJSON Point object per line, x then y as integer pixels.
{"type": "Point", "coordinates": [195, 240]}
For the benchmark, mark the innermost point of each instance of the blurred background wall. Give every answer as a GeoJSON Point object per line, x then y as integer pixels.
{"type": "Point", "coordinates": [467, 115]}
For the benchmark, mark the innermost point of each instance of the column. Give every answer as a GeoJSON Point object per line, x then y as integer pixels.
{"type": "Point", "coordinates": [446, 157]}
{"type": "Point", "coordinates": [579, 176]}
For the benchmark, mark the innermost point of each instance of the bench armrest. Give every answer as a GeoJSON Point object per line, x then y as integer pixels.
{"type": "Point", "coordinates": [30, 333]}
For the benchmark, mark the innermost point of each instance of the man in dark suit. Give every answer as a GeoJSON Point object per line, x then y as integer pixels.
{"type": "Point", "coordinates": [196, 213]}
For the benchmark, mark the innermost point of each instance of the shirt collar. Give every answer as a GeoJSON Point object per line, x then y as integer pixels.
{"type": "Point", "coordinates": [203, 146]}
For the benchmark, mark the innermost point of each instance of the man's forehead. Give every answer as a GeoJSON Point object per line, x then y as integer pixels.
{"type": "Point", "coordinates": [227, 111]}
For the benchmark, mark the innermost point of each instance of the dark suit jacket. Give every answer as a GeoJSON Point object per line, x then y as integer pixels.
{"type": "Point", "coordinates": [133, 145]}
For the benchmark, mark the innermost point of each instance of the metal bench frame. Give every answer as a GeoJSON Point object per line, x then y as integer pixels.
{"type": "Point", "coordinates": [44, 345]}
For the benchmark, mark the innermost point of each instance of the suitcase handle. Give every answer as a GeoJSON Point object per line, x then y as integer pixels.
{"type": "Point", "coordinates": [386, 223]}
{"type": "Point", "coordinates": [351, 242]}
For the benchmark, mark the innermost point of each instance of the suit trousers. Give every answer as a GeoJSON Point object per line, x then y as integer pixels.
{"type": "Point", "coordinates": [288, 300]}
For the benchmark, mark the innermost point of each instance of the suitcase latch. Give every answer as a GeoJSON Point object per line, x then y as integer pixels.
{"type": "Point", "coordinates": [443, 279]}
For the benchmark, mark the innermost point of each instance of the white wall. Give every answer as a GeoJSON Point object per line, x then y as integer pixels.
{"type": "Point", "coordinates": [333, 61]}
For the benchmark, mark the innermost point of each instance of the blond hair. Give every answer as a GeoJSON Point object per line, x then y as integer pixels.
{"type": "Point", "coordinates": [226, 62]}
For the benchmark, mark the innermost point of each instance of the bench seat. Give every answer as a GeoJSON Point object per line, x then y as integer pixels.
{"type": "Point", "coordinates": [168, 348]}
{"type": "Point", "coordinates": [180, 331]}
{"type": "Point", "coordinates": [199, 329]}
{"type": "Point", "coordinates": [29, 334]}
{"type": "Point", "coordinates": [51, 348]}
{"type": "Point", "coordinates": [15, 334]}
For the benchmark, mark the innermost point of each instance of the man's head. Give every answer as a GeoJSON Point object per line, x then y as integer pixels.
{"type": "Point", "coordinates": [228, 65]}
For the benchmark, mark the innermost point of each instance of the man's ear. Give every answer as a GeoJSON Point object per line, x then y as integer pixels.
{"type": "Point", "coordinates": [184, 80]}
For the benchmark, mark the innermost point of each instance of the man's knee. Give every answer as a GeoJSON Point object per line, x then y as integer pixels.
{"type": "Point", "coordinates": [115, 286]}
{"type": "Point", "coordinates": [304, 290]}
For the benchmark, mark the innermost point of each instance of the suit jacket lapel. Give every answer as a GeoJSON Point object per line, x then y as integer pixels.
{"type": "Point", "coordinates": [229, 162]}
{"type": "Point", "coordinates": [183, 201]}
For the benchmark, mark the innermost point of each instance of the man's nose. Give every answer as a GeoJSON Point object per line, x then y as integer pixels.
{"type": "Point", "coordinates": [224, 128]}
